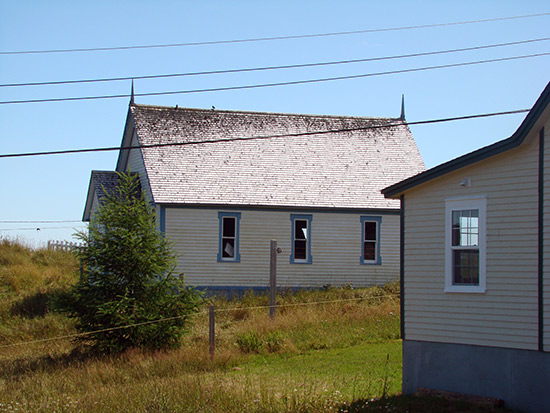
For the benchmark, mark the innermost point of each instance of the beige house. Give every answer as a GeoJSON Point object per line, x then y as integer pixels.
{"type": "Point", "coordinates": [224, 183]}
{"type": "Point", "coordinates": [475, 270]}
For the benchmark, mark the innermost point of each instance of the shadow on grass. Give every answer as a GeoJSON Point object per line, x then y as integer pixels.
{"type": "Point", "coordinates": [38, 304]}
{"type": "Point", "coordinates": [418, 404]}
{"type": "Point", "coordinates": [20, 367]}
{"type": "Point", "coordinates": [84, 354]}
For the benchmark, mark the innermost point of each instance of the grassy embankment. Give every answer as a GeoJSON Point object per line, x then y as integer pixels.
{"type": "Point", "coordinates": [316, 357]}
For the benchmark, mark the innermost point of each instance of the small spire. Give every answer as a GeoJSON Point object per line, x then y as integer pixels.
{"type": "Point", "coordinates": [132, 94]}
{"type": "Point", "coordinates": [402, 117]}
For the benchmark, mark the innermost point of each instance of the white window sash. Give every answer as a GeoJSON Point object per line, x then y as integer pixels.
{"type": "Point", "coordinates": [459, 204]}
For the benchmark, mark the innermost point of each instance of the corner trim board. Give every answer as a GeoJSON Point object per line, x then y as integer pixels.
{"type": "Point", "coordinates": [541, 243]}
{"type": "Point", "coordinates": [162, 218]}
{"type": "Point", "coordinates": [402, 264]}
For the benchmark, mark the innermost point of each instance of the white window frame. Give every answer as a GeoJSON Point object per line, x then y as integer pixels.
{"type": "Point", "coordinates": [460, 204]}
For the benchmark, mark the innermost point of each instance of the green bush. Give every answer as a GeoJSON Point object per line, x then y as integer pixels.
{"type": "Point", "coordinates": [253, 342]}
{"type": "Point", "coordinates": [274, 341]}
{"type": "Point", "coordinates": [250, 342]}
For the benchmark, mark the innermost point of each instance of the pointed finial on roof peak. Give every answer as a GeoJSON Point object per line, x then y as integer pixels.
{"type": "Point", "coordinates": [132, 94]}
{"type": "Point", "coordinates": [402, 117]}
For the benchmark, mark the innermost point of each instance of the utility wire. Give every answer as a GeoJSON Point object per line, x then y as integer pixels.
{"type": "Point", "coordinates": [161, 145]}
{"type": "Point", "coordinates": [263, 39]}
{"type": "Point", "coordinates": [34, 229]}
{"type": "Point", "coordinates": [296, 82]}
{"type": "Point", "coordinates": [39, 222]}
{"type": "Point", "coordinates": [255, 69]}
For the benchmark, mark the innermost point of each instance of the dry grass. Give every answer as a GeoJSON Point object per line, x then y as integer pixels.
{"type": "Point", "coordinates": [29, 281]}
{"type": "Point", "coordinates": [314, 357]}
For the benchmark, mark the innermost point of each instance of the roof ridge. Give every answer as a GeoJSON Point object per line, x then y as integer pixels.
{"type": "Point", "coordinates": [246, 112]}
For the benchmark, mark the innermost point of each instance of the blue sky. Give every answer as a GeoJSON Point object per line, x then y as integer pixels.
{"type": "Point", "coordinates": [53, 188]}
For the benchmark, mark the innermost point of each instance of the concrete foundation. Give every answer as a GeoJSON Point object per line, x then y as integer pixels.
{"type": "Point", "coordinates": [519, 377]}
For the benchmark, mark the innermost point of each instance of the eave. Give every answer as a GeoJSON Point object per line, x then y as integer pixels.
{"type": "Point", "coordinates": [542, 103]}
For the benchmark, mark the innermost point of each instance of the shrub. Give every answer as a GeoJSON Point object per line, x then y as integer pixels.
{"type": "Point", "coordinates": [253, 342]}
{"type": "Point", "coordinates": [274, 341]}
{"type": "Point", "coordinates": [128, 283]}
{"type": "Point", "coordinates": [250, 342]}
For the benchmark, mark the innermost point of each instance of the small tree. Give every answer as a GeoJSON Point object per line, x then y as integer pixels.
{"type": "Point", "coordinates": [128, 278]}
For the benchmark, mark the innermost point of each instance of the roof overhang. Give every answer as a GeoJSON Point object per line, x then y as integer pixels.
{"type": "Point", "coordinates": [89, 199]}
{"type": "Point", "coordinates": [540, 108]}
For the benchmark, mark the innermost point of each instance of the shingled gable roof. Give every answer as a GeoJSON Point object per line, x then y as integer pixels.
{"type": "Point", "coordinates": [542, 105]}
{"type": "Point", "coordinates": [101, 183]}
{"type": "Point", "coordinates": [334, 170]}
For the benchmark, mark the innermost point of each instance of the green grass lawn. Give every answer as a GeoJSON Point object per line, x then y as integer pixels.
{"type": "Point", "coordinates": [367, 369]}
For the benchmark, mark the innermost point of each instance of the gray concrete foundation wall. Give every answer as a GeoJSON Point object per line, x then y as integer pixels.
{"type": "Point", "coordinates": [519, 377]}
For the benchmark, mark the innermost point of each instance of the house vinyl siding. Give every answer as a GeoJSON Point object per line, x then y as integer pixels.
{"type": "Point", "coordinates": [506, 314]}
{"type": "Point", "coordinates": [475, 275]}
{"type": "Point", "coordinates": [336, 245]}
{"type": "Point", "coordinates": [546, 240]}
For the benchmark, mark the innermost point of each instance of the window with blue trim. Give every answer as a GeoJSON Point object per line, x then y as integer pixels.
{"type": "Point", "coordinates": [370, 235]}
{"type": "Point", "coordinates": [301, 239]}
{"type": "Point", "coordinates": [228, 250]}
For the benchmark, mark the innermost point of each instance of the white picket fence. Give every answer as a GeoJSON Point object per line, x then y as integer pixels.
{"type": "Point", "coordinates": [64, 245]}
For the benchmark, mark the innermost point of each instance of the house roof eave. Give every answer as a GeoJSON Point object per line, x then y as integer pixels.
{"type": "Point", "coordinates": [395, 190]}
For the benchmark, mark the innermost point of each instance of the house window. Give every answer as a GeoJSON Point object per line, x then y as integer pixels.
{"type": "Point", "coordinates": [229, 237]}
{"type": "Point", "coordinates": [370, 235]}
{"type": "Point", "coordinates": [465, 245]}
{"type": "Point", "coordinates": [301, 239]}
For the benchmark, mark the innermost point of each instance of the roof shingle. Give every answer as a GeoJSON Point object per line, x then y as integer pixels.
{"type": "Point", "coordinates": [338, 169]}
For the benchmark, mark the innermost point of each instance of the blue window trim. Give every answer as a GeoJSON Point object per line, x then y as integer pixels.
{"type": "Point", "coordinates": [309, 258]}
{"type": "Point", "coordinates": [378, 220]}
{"type": "Point", "coordinates": [237, 216]}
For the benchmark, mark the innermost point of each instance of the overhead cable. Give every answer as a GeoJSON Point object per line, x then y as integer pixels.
{"type": "Point", "coordinates": [322, 132]}
{"type": "Point", "coordinates": [34, 228]}
{"type": "Point", "coordinates": [280, 67]}
{"type": "Point", "coordinates": [39, 222]}
{"type": "Point", "coordinates": [263, 39]}
{"type": "Point", "coordinates": [289, 83]}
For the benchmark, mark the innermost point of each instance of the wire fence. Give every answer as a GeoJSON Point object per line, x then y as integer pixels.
{"type": "Point", "coordinates": [209, 311]}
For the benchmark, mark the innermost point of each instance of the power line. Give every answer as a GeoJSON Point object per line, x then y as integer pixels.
{"type": "Point", "coordinates": [263, 39]}
{"type": "Point", "coordinates": [296, 82]}
{"type": "Point", "coordinates": [294, 66]}
{"type": "Point", "coordinates": [161, 145]}
{"type": "Point", "coordinates": [33, 229]}
{"type": "Point", "coordinates": [39, 222]}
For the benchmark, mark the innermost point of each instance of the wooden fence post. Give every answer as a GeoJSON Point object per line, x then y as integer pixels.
{"type": "Point", "coordinates": [273, 278]}
{"type": "Point", "coordinates": [212, 331]}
